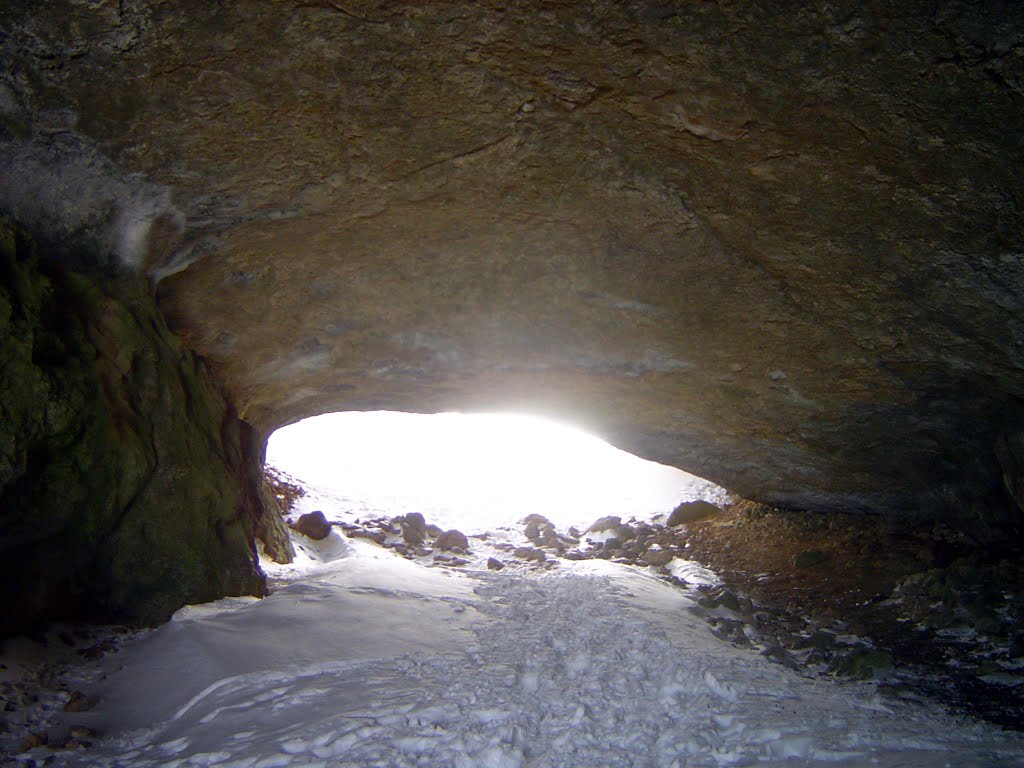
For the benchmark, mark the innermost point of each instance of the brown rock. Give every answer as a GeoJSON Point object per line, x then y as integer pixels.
{"type": "Point", "coordinates": [609, 523]}
{"type": "Point", "coordinates": [32, 741]}
{"type": "Point", "coordinates": [530, 554]}
{"type": "Point", "coordinates": [414, 528]}
{"type": "Point", "coordinates": [312, 524]}
{"type": "Point", "coordinates": [77, 702]}
{"type": "Point", "coordinates": [784, 286]}
{"type": "Point", "coordinates": [658, 557]}
{"type": "Point", "coordinates": [494, 564]}
{"type": "Point", "coordinates": [452, 541]}
{"type": "Point", "coordinates": [691, 512]}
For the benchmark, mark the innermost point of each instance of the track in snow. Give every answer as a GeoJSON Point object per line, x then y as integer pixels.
{"type": "Point", "coordinates": [401, 665]}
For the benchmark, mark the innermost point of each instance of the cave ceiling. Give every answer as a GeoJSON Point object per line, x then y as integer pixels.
{"type": "Point", "coordinates": [775, 244]}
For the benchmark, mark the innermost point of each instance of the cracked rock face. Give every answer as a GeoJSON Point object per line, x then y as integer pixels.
{"type": "Point", "coordinates": [778, 247]}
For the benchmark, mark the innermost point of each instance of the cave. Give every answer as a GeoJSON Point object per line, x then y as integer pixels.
{"type": "Point", "coordinates": [774, 245]}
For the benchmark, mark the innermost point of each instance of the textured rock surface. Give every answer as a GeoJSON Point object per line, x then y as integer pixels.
{"type": "Point", "coordinates": [777, 246]}
{"type": "Point", "coordinates": [313, 524]}
{"type": "Point", "coordinates": [127, 485]}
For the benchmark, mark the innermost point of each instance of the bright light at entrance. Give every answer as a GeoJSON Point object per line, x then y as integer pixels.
{"type": "Point", "coordinates": [475, 472]}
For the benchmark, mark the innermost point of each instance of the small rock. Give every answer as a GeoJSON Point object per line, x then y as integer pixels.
{"type": "Point", "coordinates": [77, 702]}
{"type": "Point", "coordinates": [862, 664]}
{"type": "Point", "coordinates": [313, 524]}
{"type": "Point", "coordinates": [450, 560]}
{"type": "Point", "coordinates": [32, 741]}
{"type": "Point", "coordinates": [658, 557]}
{"type": "Point", "coordinates": [452, 540]}
{"type": "Point", "coordinates": [625, 532]}
{"type": "Point", "coordinates": [414, 528]}
{"type": "Point", "coordinates": [494, 564]}
{"type": "Point", "coordinates": [692, 511]}
{"type": "Point", "coordinates": [609, 523]}
{"type": "Point", "coordinates": [530, 554]}
{"type": "Point", "coordinates": [719, 597]}
{"type": "Point", "coordinates": [361, 533]}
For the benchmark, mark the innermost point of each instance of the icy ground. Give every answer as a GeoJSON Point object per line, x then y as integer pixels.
{"type": "Point", "coordinates": [362, 658]}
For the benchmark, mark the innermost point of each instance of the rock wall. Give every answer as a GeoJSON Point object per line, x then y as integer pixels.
{"type": "Point", "coordinates": [776, 244]}
{"type": "Point", "coordinates": [128, 487]}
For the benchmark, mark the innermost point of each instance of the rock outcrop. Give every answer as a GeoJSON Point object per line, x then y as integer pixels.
{"type": "Point", "coordinates": [127, 485]}
{"type": "Point", "coordinates": [776, 245]}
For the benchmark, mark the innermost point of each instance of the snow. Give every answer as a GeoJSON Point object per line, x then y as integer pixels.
{"type": "Point", "coordinates": [362, 658]}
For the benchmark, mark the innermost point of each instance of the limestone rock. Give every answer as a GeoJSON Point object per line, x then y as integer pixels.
{"type": "Point", "coordinates": [692, 511]}
{"type": "Point", "coordinates": [313, 524]}
{"type": "Point", "coordinates": [452, 541]}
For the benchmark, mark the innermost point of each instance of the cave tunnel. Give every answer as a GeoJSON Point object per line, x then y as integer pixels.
{"type": "Point", "coordinates": [777, 248]}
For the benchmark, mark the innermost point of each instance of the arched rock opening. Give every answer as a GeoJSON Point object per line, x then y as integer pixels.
{"type": "Point", "coordinates": [777, 248]}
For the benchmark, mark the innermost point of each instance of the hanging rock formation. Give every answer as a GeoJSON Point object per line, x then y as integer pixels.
{"type": "Point", "coordinates": [777, 246]}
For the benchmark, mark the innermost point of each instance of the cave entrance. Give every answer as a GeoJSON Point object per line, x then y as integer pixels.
{"type": "Point", "coordinates": [475, 472]}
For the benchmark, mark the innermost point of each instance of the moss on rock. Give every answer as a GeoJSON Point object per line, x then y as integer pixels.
{"type": "Point", "coordinates": [128, 487]}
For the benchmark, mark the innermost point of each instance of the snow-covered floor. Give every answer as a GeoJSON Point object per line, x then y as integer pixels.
{"type": "Point", "coordinates": [362, 658]}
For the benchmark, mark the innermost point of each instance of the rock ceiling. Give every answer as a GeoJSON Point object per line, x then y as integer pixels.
{"type": "Point", "coordinates": [777, 246]}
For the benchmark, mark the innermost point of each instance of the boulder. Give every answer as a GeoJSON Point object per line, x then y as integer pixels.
{"type": "Point", "coordinates": [312, 524]}
{"type": "Point", "coordinates": [414, 528]}
{"type": "Point", "coordinates": [691, 512]}
{"type": "Point", "coordinates": [658, 557]}
{"type": "Point", "coordinates": [609, 523]}
{"type": "Point", "coordinates": [452, 541]}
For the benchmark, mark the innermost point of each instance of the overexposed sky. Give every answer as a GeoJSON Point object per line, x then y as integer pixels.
{"type": "Point", "coordinates": [480, 470]}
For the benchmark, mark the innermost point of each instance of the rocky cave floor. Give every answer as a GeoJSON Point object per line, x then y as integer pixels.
{"type": "Point", "coordinates": [853, 597]}
{"type": "Point", "coordinates": [848, 597]}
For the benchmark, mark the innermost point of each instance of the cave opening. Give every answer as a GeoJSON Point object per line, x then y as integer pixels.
{"type": "Point", "coordinates": [476, 471]}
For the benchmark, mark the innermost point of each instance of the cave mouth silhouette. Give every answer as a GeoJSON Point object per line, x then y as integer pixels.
{"type": "Point", "coordinates": [476, 472]}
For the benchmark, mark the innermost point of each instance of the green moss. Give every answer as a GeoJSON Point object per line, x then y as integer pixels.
{"type": "Point", "coordinates": [126, 485]}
